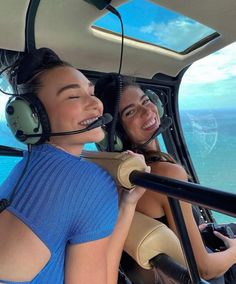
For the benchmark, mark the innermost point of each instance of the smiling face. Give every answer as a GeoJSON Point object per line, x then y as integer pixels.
{"type": "Point", "coordinates": [139, 116]}
{"type": "Point", "coordinates": [68, 97]}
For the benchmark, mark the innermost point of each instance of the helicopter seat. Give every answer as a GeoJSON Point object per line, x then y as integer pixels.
{"type": "Point", "coordinates": [150, 243]}
{"type": "Point", "coordinates": [152, 254]}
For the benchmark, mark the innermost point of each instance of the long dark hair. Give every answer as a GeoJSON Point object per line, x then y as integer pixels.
{"type": "Point", "coordinates": [25, 74]}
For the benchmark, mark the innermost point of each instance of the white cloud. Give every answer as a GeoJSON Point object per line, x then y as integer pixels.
{"type": "Point", "coordinates": [167, 33]}
{"type": "Point", "coordinates": [210, 82]}
{"type": "Point", "coordinates": [214, 68]}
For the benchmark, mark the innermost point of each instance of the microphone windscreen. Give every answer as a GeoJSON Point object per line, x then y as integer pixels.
{"type": "Point", "coordinates": [107, 118]}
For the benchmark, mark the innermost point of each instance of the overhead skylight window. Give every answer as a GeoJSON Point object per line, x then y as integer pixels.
{"type": "Point", "coordinates": [147, 22]}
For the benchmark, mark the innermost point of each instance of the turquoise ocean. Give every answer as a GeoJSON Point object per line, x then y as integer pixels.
{"type": "Point", "coordinates": [211, 140]}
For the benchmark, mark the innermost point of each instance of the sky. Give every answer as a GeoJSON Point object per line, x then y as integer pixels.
{"type": "Point", "coordinates": [154, 24]}
{"type": "Point", "coordinates": [211, 82]}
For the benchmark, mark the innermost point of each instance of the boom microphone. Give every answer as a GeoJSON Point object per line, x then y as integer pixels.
{"type": "Point", "coordinates": [102, 120]}
{"type": "Point", "coordinates": [166, 123]}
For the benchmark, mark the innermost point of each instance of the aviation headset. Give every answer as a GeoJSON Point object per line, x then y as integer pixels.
{"type": "Point", "coordinates": [107, 89]}
{"type": "Point", "coordinates": [25, 114]}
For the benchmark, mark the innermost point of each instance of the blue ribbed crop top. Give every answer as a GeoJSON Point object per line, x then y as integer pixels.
{"type": "Point", "coordinates": [64, 200]}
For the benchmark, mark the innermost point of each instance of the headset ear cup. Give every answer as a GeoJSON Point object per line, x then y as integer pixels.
{"type": "Point", "coordinates": [118, 145]}
{"type": "Point", "coordinates": [43, 117]}
{"type": "Point", "coordinates": [103, 145]}
{"type": "Point", "coordinates": [156, 100]}
{"type": "Point", "coordinates": [27, 115]}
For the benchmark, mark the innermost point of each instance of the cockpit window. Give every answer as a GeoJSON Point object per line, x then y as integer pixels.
{"type": "Point", "coordinates": [207, 106]}
{"type": "Point", "coordinates": [147, 22]}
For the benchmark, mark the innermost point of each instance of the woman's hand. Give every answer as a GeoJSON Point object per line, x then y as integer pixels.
{"type": "Point", "coordinates": [202, 227]}
{"type": "Point", "coordinates": [132, 196]}
{"type": "Point", "coordinates": [229, 243]}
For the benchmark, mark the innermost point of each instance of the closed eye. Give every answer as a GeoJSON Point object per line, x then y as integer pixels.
{"type": "Point", "coordinates": [73, 97]}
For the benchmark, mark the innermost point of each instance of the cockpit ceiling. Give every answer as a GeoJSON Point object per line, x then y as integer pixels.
{"type": "Point", "coordinates": [65, 26]}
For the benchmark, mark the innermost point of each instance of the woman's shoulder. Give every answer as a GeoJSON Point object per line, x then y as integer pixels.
{"type": "Point", "coordinates": [170, 170]}
{"type": "Point", "coordinates": [63, 166]}
{"type": "Point", "coordinates": [96, 170]}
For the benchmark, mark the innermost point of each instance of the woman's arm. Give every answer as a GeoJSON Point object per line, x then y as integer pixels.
{"type": "Point", "coordinates": [128, 202]}
{"type": "Point", "coordinates": [98, 261]}
{"type": "Point", "coordinates": [210, 265]}
{"type": "Point", "coordinates": [116, 243]}
{"type": "Point", "coordinates": [87, 262]}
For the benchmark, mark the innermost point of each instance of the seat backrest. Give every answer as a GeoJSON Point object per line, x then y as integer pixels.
{"type": "Point", "coordinates": [148, 238]}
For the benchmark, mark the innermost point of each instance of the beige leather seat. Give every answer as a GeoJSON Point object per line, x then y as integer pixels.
{"type": "Point", "coordinates": [148, 238]}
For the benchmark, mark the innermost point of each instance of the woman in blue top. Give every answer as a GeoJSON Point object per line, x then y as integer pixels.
{"type": "Point", "coordinates": [62, 225]}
